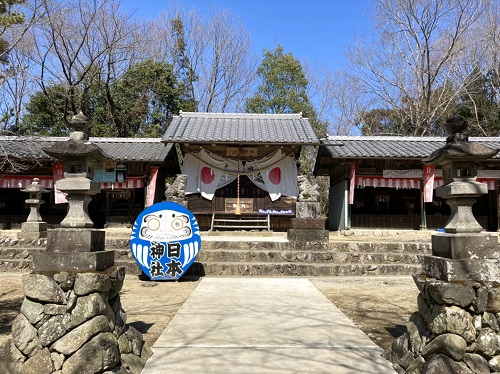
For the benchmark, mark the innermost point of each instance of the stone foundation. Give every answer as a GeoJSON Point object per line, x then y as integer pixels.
{"type": "Point", "coordinates": [456, 329]}
{"type": "Point", "coordinates": [73, 323]}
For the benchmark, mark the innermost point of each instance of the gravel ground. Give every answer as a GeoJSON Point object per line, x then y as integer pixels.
{"type": "Point", "coordinates": [380, 306]}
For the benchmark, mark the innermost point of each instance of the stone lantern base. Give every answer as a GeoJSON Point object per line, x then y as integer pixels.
{"type": "Point", "coordinates": [33, 230]}
{"type": "Point", "coordinates": [73, 323]}
{"type": "Point", "coordinates": [456, 329]}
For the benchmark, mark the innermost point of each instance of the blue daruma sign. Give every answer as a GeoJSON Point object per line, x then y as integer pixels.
{"type": "Point", "coordinates": [165, 240]}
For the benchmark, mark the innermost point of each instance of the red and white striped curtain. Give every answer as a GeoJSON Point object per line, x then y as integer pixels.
{"type": "Point", "coordinates": [48, 182]}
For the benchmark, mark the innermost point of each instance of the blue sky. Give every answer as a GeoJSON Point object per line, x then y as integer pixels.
{"type": "Point", "coordinates": [316, 30]}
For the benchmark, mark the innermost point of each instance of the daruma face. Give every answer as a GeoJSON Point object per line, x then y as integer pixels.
{"type": "Point", "coordinates": [165, 225]}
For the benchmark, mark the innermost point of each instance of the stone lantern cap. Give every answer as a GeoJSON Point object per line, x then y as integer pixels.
{"type": "Point", "coordinates": [460, 151]}
{"type": "Point", "coordinates": [35, 187]}
{"type": "Point", "coordinates": [76, 150]}
{"type": "Point", "coordinates": [77, 147]}
{"type": "Point", "coordinates": [458, 148]}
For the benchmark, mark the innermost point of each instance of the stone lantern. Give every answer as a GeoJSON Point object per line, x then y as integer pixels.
{"type": "Point", "coordinates": [34, 227]}
{"type": "Point", "coordinates": [457, 251]}
{"type": "Point", "coordinates": [71, 319]}
{"type": "Point", "coordinates": [455, 329]}
{"type": "Point", "coordinates": [79, 156]}
{"type": "Point", "coordinates": [459, 159]}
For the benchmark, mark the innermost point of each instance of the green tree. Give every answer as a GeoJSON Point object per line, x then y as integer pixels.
{"type": "Point", "coordinates": [283, 89]}
{"type": "Point", "coordinates": [145, 99]}
{"type": "Point", "coordinates": [140, 104]}
{"type": "Point", "coordinates": [44, 115]}
{"type": "Point", "coordinates": [379, 122]}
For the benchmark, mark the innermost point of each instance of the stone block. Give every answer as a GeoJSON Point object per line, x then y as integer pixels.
{"type": "Point", "coordinates": [72, 261]}
{"type": "Point", "coordinates": [33, 230]}
{"type": "Point", "coordinates": [303, 235]}
{"type": "Point", "coordinates": [458, 294]}
{"type": "Point", "coordinates": [456, 188]}
{"type": "Point", "coordinates": [456, 270]}
{"type": "Point", "coordinates": [78, 183]}
{"type": "Point", "coordinates": [308, 223]}
{"type": "Point", "coordinates": [308, 209]}
{"type": "Point", "coordinates": [465, 246]}
{"type": "Point", "coordinates": [75, 240]}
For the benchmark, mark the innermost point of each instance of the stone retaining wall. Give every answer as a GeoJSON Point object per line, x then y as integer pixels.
{"type": "Point", "coordinates": [257, 258]}
{"type": "Point", "coordinates": [73, 323]}
{"type": "Point", "coordinates": [456, 329]}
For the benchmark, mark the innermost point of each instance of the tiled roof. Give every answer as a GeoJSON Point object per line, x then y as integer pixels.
{"type": "Point", "coordinates": [249, 128]}
{"type": "Point", "coordinates": [118, 149]}
{"type": "Point", "coordinates": [391, 146]}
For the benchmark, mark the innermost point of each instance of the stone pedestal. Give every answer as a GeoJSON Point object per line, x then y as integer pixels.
{"type": "Point", "coordinates": [308, 239]}
{"type": "Point", "coordinates": [76, 240]}
{"type": "Point", "coordinates": [33, 230]}
{"type": "Point", "coordinates": [468, 257]}
{"type": "Point", "coordinates": [308, 209]}
{"type": "Point", "coordinates": [308, 223]}
{"type": "Point", "coordinates": [308, 229]}
{"type": "Point", "coordinates": [456, 329]}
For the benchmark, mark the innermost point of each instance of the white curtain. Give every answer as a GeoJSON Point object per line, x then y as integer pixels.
{"type": "Point", "coordinates": [207, 172]}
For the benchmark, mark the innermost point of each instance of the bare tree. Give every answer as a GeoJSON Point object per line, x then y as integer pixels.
{"type": "Point", "coordinates": [337, 98]}
{"type": "Point", "coordinates": [419, 60]}
{"type": "Point", "coordinates": [17, 86]}
{"type": "Point", "coordinates": [13, 31]}
{"type": "Point", "coordinates": [15, 66]}
{"type": "Point", "coordinates": [218, 49]}
{"type": "Point", "coordinates": [80, 43]}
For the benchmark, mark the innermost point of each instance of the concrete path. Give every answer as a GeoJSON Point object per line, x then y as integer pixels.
{"type": "Point", "coordinates": [262, 325]}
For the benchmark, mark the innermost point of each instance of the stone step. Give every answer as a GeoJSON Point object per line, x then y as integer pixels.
{"type": "Point", "coordinates": [307, 257]}
{"type": "Point", "coordinates": [381, 247]}
{"type": "Point", "coordinates": [227, 255]}
{"type": "Point", "coordinates": [295, 269]}
{"type": "Point", "coordinates": [15, 265]}
{"type": "Point", "coordinates": [288, 269]}
{"type": "Point", "coordinates": [396, 247]}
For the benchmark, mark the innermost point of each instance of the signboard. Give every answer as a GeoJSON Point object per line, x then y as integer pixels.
{"type": "Point", "coordinates": [241, 151]}
{"type": "Point", "coordinates": [246, 205]}
{"type": "Point", "coordinates": [165, 240]}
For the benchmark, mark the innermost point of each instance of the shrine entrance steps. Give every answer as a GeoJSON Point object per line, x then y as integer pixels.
{"type": "Point", "coordinates": [262, 254]}
{"type": "Point", "coordinates": [271, 254]}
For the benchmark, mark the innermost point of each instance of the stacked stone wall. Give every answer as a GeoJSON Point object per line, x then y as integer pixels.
{"type": "Point", "coordinates": [73, 323]}
{"type": "Point", "coordinates": [456, 329]}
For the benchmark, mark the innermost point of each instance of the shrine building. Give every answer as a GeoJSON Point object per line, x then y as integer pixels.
{"type": "Point", "coordinates": [380, 182]}
{"type": "Point", "coordinates": [241, 168]}
{"type": "Point", "coordinates": [132, 177]}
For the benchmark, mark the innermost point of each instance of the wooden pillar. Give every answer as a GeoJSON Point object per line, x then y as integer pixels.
{"type": "Point", "coordinates": [423, 221]}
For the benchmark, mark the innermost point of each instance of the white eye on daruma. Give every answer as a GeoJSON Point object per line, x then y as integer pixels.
{"type": "Point", "coordinates": [177, 223]}
{"type": "Point", "coordinates": [153, 224]}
